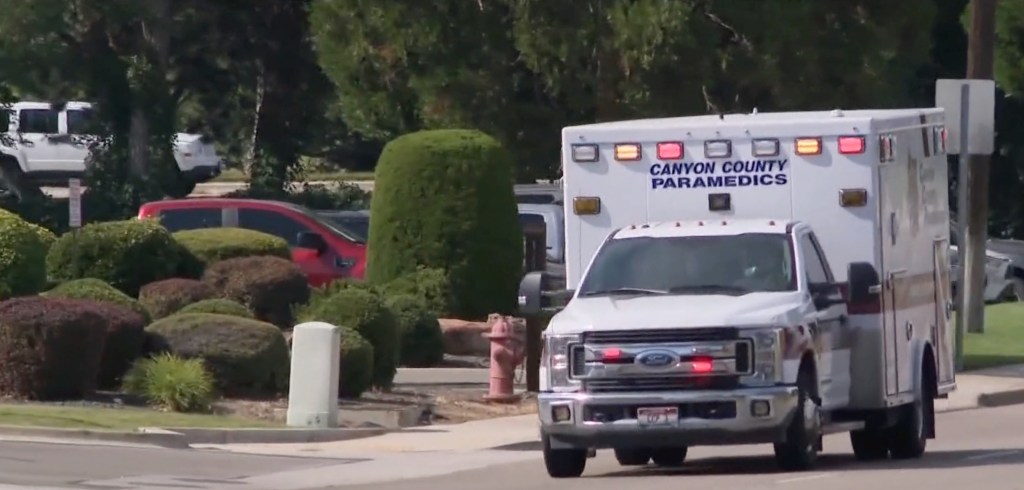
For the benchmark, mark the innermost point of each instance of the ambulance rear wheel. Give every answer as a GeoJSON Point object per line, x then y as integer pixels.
{"type": "Point", "coordinates": [869, 445]}
{"type": "Point", "coordinates": [800, 451]}
{"type": "Point", "coordinates": [564, 463]}
{"type": "Point", "coordinates": [632, 457]}
{"type": "Point", "coordinates": [909, 437]}
{"type": "Point", "coordinates": [669, 457]}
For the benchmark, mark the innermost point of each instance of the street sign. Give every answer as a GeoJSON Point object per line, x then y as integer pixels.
{"type": "Point", "coordinates": [980, 116]}
{"type": "Point", "coordinates": [74, 203]}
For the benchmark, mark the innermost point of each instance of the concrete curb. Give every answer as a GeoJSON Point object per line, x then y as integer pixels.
{"type": "Point", "coordinates": [168, 439]}
{"type": "Point", "coordinates": [1001, 398]}
{"type": "Point", "coordinates": [268, 436]}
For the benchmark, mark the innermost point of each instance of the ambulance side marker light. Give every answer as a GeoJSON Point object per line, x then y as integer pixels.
{"type": "Point", "coordinates": [765, 147]}
{"type": "Point", "coordinates": [670, 150]}
{"type": "Point", "coordinates": [627, 152]}
{"type": "Point", "coordinates": [717, 149]}
{"type": "Point", "coordinates": [585, 153]}
{"type": "Point", "coordinates": [808, 146]}
{"type": "Point", "coordinates": [853, 198]}
{"type": "Point", "coordinates": [849, 145]}
{"type": "Point", "coordinates": [586, 205]}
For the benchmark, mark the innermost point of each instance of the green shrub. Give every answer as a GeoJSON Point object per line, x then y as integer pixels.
{"type": "Point", "coordinates": [22, 257]}
{"type": "Point", "coordinates": [444, 199]}
{"type": "Point", "coordinates": [163, 298]}
{"type": "Point", "coordinates": [50, 349]}
{"type": "Point", "coordinates": [172, 383]}
{"type": "Point", "coordinates": [125, 339]}
{"type": "Point", "coordinates": [97, 290]}
{"type": "Point", "coordinates": [271, 287]}
{"type": "Point", "coordinates": [211, 245]}
{"type": "Point", "coordinates": [245, 357]}
{"type": "Point", "coordinates": [125, 254]}
{"type": "Point", "coordinates": [422, 340]}
{"type": "Point", "coordinates": [427, 284]}
{"type": "Point", "coordinates": [46, 237]}
{"type": "Point", "coordinates": [219, 306]}
{"type": "Point", "coordinates": [356, 364]}
{"type": "Point", "coordinates": [367, 314]}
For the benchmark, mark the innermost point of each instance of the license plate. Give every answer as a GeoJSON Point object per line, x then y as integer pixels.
{"type": "Point", "coordinates": [657, 416]}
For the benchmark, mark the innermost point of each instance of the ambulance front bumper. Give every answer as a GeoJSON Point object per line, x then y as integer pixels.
{"type": "Point", "coordinates": [607, 420]}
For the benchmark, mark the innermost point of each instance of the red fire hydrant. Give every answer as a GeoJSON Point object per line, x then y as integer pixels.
{"type": "Point", "coordinates": [506, 354]}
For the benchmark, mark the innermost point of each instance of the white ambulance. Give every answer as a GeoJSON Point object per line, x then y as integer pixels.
{"type": "Point", "coordinates": [746, 279]}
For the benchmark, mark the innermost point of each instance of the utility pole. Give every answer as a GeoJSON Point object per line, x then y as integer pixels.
{"type": "Point", "coordinates": [980, 47]}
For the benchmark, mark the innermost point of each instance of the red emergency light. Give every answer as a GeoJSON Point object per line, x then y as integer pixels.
{"type": "Point", "coordinates": [702, 365]}
{"type": "Point", "coordinates": [611, 354]}
{"type": "Point", "coordinates": [851, 145]}
{"type": "Point", "coordinates": [670, 150]}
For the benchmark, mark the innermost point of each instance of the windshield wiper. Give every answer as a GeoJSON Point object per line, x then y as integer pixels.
{"type": "Point", "coordinates": [710, 288]}
{"type": "Point", "coordinates": [618, 291]}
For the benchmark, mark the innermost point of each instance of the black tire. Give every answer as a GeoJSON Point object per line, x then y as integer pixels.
{"type": "Point", "coordinates": [869, 445]}
{"type": "Point", "coordinates": [632, 457]}
{"type": "Point", "coordinates": [564, 463]}
{"type": "Point", "coordinates": [669, 457]}
{"type": "Point", "coordinates": [1016, 290]}
{"type": "Point", "coordinates": [800, 452]}
{"type": "Point", "coordinates": [909, 438]}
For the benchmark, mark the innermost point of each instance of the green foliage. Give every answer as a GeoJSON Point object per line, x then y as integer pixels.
{"type": "Point", "coordinates": [270, 287]}
{"type": "Point", "coordinates": [219, 306]}
{"type": "Point", "coordinates": [97, 290]}
{"type": "Point", "coordinates": [444, 199]}
{"type": "Point", "coordinates": [22, 257]}
{"type": "Point", "coordinates": [430, 285]}
{"type": "Point", "coordinates": [336, 195]}
{"type": "Point", "coordinates": [163, 298]}
{"type": "Point", "coordinates": [366, 313]}
{"type": "Point", "coordinates": [126, 254]}
{"type": "Point", "coordinates": [50, 349]}
{"type": "Point", "coordinates": [211, 245]}
{"type": "Point", "coordinates": [124, 343]}
{"type": "Point", "coordinates": [356, 364]}
{"type": "Point", "coordinates": [172, 383]}
{"type": "Point", "coordinates": [245, 357]}
{"type": "Point", "coordinates": [422, 340]}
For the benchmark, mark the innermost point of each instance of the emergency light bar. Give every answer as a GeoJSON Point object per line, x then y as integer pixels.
{"type": "Point", "coordinates": [585, 153]}
{"type": "Point", "coordinates": [765, 147]}
{"type": "Point", "coordinates": [670, 150]}
{"type": "Point", "coordinates": [851, 144]}
{"type": "Point", "coordinates": [629, 152]}
{"type": "Point", "coordinates": [808, 146]}
{"type": "Point", "coordinates": [717, 148]}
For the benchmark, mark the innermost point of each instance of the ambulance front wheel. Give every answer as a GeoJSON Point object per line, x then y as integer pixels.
{"type": "Point", "coordinates": [564, 463]}
{"type": "Point", "coordinates": [800, 451]}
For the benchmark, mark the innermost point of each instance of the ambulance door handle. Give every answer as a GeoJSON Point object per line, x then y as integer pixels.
{"type": "Point", "coordinates": [892, 275]}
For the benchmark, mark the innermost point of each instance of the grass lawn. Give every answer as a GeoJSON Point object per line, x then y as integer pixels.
{"type": "Point", "coordinates": [1003, 340]}
{"type": "Point", "coordinates": [72, 417]}
{"type": "Point", "coordinates": [236, 175]}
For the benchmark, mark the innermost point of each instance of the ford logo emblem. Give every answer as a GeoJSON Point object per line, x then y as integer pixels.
{"type": "Point", "coordinates": [657, 358]}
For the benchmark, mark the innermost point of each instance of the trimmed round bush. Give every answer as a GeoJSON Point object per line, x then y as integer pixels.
{"type": "Point", "coordinates": [22, 257]}
{"type": "Point", "coordinates": [126, 336]}
{"type": "Point", "coordinates": [172, 383]}
{"type": "Point", "coordinates": [444, 199]}
{"type": "Point", "coordinates": [427, 284]}
{"type": "Point", "coordinates": [271, 287]}
{"type": "Point", "coordinates": [163, 298]}
{"type": "Point", "coordinates": [219, 306]}
{"type": "Point", "coordinates": [245, 357]}
{"type": "Point", "coordinates": [97, 290]}
{"type": "Point", "coordinates": [356, 364]}
{"type": "Point", "coordinates": [50, 349]}
{"type": "Point", "coordinates": [422, 340]}
{"type": "Point", "coordinates": [367, 314]}
{"type": "Point", "coordinates": [211, 245]}
{"type": "Point", "coordinates": [125, 254]}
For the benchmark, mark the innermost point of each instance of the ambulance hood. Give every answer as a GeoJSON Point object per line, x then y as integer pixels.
{"type": "Point", "coordinates": [678, 311]}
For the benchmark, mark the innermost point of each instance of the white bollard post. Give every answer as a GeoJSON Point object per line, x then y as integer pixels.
{"type": "Point", "coordinates": [313, 390]}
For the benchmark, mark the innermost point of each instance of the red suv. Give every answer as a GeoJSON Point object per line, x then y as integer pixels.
{"type": "Point", "coordinates": [324, 250]}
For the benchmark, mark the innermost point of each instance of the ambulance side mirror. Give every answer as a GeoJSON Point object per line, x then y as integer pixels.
{"type": "Point", "coordinates": [531, 293]}
{"type": "Point", "coordinates": [864, 282]}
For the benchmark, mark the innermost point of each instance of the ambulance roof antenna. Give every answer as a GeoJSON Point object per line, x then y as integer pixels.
{"type": "Point", "coordinates": [754, 112]}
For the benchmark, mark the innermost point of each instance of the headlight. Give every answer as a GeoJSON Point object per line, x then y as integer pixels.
{"type": "Point", "coordinates": [767, 353]}
{"type": "Point", "coordinates": [557, 361]}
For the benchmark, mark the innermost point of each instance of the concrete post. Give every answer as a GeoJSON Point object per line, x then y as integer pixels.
{"type": "Point", "coordinates": [313, 390]}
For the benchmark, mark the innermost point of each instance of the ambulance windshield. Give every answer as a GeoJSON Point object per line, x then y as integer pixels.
{"type": "Point", "coordinates": [731, 265]}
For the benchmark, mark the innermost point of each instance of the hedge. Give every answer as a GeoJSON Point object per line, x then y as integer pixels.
{"type": "Point", "coordinates": [163, 298]}
{"type": "Point", "coordinates": [356, 364]}
{"type": "Point", "coordinates": [220, 306]}
{"type": "Point", "coordinates": [125, 254]}
{"type": "Point", "coordinates": [22, 257]}
{"type": "Point", "coordinates": [245, 357]}
{"type": "Point", "coordinates": [124, 343]}
{"type": "Point", "coordinates": [50, 349]}
{"type": "Point", "coordinates": [444, 199]}
{"type": "Point", "coordinates": [366, 313]}
{"type": "Point", "coordinates": [271, 287]}
{"type": "Point", "coordinates": [211, 245]}
{"type": "Point", "coordinates": [422, 339]}
{"type": "Point", "coordinates": [97, 290]}
{"type": "Point", "coordinates": [427, 284]}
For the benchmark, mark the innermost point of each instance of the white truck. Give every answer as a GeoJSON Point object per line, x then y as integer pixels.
{"type": "Point", "coordinates": [46, 147]}
{"type": "Point", "coordinates": [747, 279]}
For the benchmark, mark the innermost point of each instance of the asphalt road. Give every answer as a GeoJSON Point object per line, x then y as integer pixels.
{"type": "Point", "coordinates": [975, 449]}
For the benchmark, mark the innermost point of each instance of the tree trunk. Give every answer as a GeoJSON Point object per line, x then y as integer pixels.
{"type": "Point", "coordinates": [252, 159]}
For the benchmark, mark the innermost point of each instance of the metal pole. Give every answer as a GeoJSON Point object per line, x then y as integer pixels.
{"type": "Point", "coordinates": [961, 223]}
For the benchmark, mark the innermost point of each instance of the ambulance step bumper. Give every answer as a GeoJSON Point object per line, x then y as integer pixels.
{"type": "Point", "coordinates": [687, 418]}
